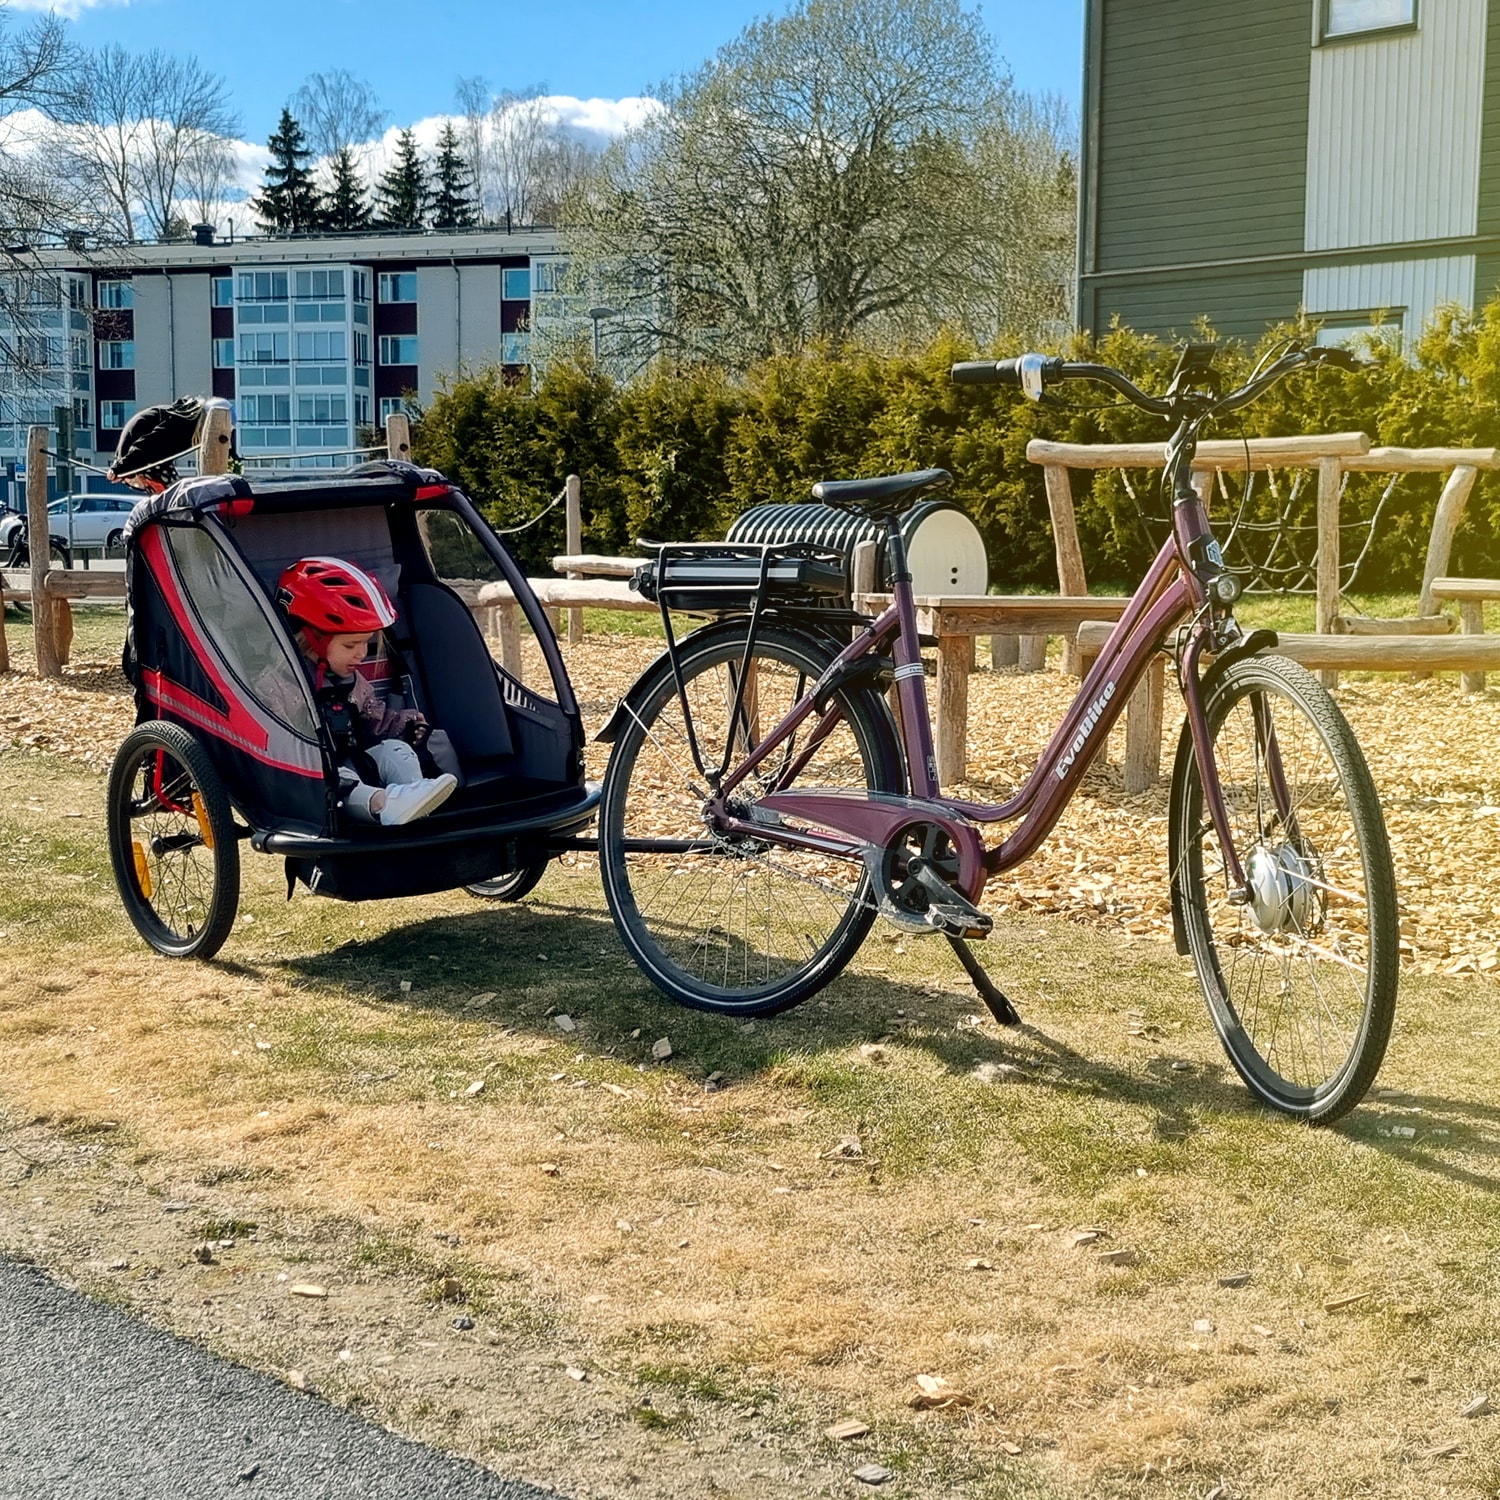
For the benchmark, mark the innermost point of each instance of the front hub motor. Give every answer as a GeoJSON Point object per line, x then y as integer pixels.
{"type": "Point", "coordinates": [1282, 896]}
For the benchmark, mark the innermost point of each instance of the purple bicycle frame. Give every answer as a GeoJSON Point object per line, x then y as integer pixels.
{"type": "Point", "coordinates": [1168, 594]}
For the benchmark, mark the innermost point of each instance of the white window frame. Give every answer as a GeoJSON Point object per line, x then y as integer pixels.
{"type": "Point", "coordinates": [116, 295]}
{"type": "Point", "coordinates": [109, 408]}
{"type": "Point", "coordinates": [387, 343]}
{"type": "Point", "coordinates": [1324, 35]}
{"type": "Point", "coordinates": [386, 284]}
{"type": "Point", "coordinates": [123, 360]}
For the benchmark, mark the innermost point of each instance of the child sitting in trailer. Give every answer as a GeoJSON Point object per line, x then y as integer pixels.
{"type": "Point", "coordinates": [336, 610]}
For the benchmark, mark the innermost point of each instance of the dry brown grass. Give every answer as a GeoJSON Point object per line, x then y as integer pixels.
{"type": "Point", "coordinates": [730, 1252]}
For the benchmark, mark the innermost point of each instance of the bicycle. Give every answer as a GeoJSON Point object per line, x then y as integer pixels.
{"type": "Point", "coordinates": [762, 805]}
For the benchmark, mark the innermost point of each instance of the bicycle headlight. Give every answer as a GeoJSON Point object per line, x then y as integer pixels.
{"type": "Point", "coordinates": [1227, 588]}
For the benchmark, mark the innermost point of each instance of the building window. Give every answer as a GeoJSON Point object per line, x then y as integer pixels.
{"type": "Point", "coordinates": [78, 293]}
{"type": "Point", "coordinates": [263, 411]}
{"type": "Point", "coordinates": [221, 290]}
{"type": "Point", "coordinates": [264, 348]}
{"type": "Point", "coordinates": [515, 348]}
{"type": "Point", "coordinates": [82, 412]}
{"type": "Point", "coordinates": [398, 349]}
{"type": "Point", "coordinates": [116, 295]}
{"type": "Point", "coordinates": [117, 354]}
{"type": "Point", "coordinates": [322, 409]}
{"type": "Point", "coordinates": [115, 414]}
{"type": "Point", "coordinates": [362, 409]}
{"type": "Point", "coordinates": [1363, 332]}
{"type": "Point", "coordinates": [361, 348]}
{"type": "Point", "coordinates": [78, 352]}
{"type": "Point", "coordinates": [320, 285]}
{"type": "Point", "coordinates": [515, 283]}
{"type": "Point", "coordinates": [320, 347]}
{"type": "Point", "coordinates": [223, 354]}
{"type": "Point", "coordinates": [360, 284]}
{"type": "Point", "coordinates": [1343, 18]}
{"type": "Point", "coordinates": [398, 286]}
{"type": "Point", "coordinates": [263, 286]}
{"type": "Point", "coordinates": [391, 406]}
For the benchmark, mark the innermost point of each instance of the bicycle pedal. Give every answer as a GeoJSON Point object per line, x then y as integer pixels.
{"type": "Point", "coordinates": [959, 919]}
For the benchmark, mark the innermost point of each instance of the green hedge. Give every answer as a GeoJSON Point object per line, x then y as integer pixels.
{"type": "Point", "coordinates": [679, 454]}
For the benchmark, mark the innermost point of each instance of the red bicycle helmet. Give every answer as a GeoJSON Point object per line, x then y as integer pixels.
{"type": "Point", "coordinates": [333, 597]}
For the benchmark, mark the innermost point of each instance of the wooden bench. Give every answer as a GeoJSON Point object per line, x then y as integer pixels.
{"type": "Point", "coordinates": [1471, 595]}
{"type": "Point", "coordinates": [554, 593]}
{"type": "Point", "coordinates": [955, 620]}
{"type": "Point", "coordinates": [1470, 654]}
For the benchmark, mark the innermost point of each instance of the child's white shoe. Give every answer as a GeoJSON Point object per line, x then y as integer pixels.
{"type": "Point", "coordinates": [407, 801]}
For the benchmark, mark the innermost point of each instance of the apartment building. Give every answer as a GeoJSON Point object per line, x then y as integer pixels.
{"type": "Point", "coordinates": [311, 337]}
{"type": "Point", "coordinates": [1245, 162]}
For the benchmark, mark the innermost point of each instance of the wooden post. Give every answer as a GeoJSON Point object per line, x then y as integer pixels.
{"type": "Point", "coordinates": [1005, 650]}
{"type": "Point", "coordinates": [1031, 654]}
{"type": "Point", "coordinates": [1330, 480]}
{"type": "Point", "coordinates": [39, 540]}
{"type": "Point", "coordinates": [1471, 622]}
{"type": "Point", "coordinates": [862, 574]}
{"type": "Point", "coordinates": [574, 508]}
{"type": "Point", "coordinates": [214, 440]}
{"type": "Point", "coordinates": [1142, 766]}
{"type": "Point", "coordinates": [953, 708]}
{"type": "Point", "coordinates": [1450, 511]}
{"type": "Point", "coordinates": [510, 640]}
{"type": "Point", "coordinates": [398, 436]}
{"type": "Point", "coordinates": [4, 644]}
{"type": "Point", "coordinates": [1070, 574]}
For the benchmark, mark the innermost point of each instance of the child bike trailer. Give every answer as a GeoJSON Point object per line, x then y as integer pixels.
{"type": "Point", "coordinates": [229, 746]}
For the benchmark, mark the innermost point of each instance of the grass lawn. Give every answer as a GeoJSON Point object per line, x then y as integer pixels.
{"type": "Point", "coordinates": [678, 1281]}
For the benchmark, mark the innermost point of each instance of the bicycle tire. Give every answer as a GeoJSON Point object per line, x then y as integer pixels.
{"type": "Point", "coordinates": [512, 886]}
{"type": "Point", "coordinates": [744, 929]}
{"type": "Point", "coordinates": [172, 841]}
{"type": "Point", "coordinates": [1319, 920]}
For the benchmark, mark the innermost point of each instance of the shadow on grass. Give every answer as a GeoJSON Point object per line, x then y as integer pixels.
{"type": "Point", "coordinates": [541, 959]}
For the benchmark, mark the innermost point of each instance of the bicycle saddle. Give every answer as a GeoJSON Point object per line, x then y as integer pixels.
{"type": "Point", "coordinates": [885, 495]}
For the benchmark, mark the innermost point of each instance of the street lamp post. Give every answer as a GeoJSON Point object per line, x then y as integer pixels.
{"type": "Point", "coordinates": [597, 314]}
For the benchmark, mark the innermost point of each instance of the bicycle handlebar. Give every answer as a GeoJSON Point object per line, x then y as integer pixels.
{"type": "Point", "coordinates": [1034, 372]}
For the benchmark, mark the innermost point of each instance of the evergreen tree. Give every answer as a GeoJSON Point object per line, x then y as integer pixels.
{"type": "Point", "coordinates": [346, 206]}
{"type": "Point", "coordinates": [289, 200]}
{"type": "Point", "coordinates": [452, 205]}
{"type": "Point", "coordinates": [403, 189]}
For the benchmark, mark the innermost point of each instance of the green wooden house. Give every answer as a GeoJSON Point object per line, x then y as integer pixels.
{"type": "Point", "coordinates": [1244, 159]}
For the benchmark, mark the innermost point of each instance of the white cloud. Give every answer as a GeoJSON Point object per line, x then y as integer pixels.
{"type": "Point", "coordinates": [69, 10]}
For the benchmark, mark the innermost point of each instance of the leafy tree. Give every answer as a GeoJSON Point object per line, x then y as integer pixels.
{"type": "Point", "coordinates": [844, 171]}
{"type": "Point", "coordinates": [402, 192]}
{"type": "Point", "coordinates": [346, 206]}
{"type": "Point", "coordinates": [453, 205]}
{"type": "Point", "coordinates": [289, 200]}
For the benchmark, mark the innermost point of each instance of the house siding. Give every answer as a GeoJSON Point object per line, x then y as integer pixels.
{"type": "Point", "coordinates": [1239, 304]}
{"type": "Point", "coordinates": [1196, 129]}
{"type": "Point", "coordinates": [1394, 132]}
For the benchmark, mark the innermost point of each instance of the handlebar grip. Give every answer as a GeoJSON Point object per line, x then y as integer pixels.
{"type": "Point", "coordinates": [986, 372]}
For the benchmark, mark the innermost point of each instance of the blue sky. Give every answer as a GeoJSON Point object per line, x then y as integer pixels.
{"type": "Point", "coordinates": [413, 53]}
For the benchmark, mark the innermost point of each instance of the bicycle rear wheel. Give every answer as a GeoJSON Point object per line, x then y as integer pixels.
{"type": "Point", "coordinates": [1300, 975]}
{"type": "Point", "coordinates": [735, 924]}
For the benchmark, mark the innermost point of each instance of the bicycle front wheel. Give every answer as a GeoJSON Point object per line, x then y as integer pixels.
{"type": "Point", "coordinates": [1300, 967]}
{"type": "Point", "coordinates": [734, 924]}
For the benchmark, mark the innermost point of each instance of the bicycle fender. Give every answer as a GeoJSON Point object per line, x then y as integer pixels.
{"type": "Point", "coordinates": [1255, 642]}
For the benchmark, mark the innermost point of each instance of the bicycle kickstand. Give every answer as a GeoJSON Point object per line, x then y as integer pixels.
{"type": "Point", "coordinates": [997, 1001]}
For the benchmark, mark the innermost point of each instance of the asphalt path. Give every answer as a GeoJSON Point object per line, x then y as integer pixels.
{"type": "Point", "coordinates": [94, 1405]}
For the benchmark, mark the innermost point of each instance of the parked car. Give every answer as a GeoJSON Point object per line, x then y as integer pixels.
{"type": "Point", "coordinates": [98, 521]}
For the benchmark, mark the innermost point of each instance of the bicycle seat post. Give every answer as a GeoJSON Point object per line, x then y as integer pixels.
{"type": "Point", "coordinates": [911, 688]}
